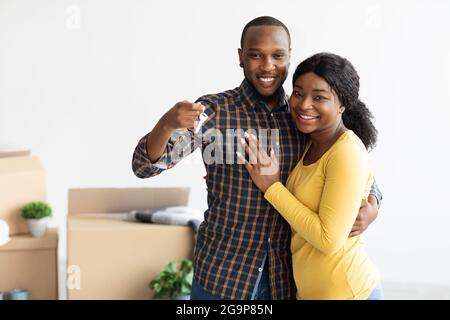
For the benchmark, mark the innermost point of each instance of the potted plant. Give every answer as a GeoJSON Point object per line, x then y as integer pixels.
{"type": "Point", "coordinates": [37, 214]}
{"type": "Point", "coordinates": [174, 281]}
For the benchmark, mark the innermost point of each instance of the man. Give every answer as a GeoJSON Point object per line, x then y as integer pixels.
{"type": "Point", "coordinates": [243, 246]}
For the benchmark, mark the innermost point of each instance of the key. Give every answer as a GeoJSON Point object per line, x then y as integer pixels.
{"type": "Point", "coordinates": [201, 119]}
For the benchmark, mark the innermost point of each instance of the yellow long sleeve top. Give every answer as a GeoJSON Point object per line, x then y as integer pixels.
{"type": "Point", "coordinates": [321, 202]}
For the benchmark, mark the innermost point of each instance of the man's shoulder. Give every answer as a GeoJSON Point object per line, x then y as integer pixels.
{"type": "Point", "coordinates": [221, 98]}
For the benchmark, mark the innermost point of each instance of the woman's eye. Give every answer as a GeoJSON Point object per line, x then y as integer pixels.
{"type": "Point", "coordinates": [319, 98]}
{"type": "Point", "coordinates": [297, 94]}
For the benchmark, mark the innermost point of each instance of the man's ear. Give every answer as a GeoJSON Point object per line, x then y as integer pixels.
{"type": "Point", "coordinates": [240, 58]}
{"type": "Point", "coordinates": [289, 59]}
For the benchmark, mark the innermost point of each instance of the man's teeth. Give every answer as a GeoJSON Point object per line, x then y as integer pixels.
{"type": "Point", "coordinates": [267, 79]}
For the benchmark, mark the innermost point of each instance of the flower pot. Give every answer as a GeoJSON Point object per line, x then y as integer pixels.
{"type": "Point", "coordinates": [18, 294]}
{"type": "Point", "coordinates": [181, 297]}
{"type": "Point", "coordinates": [38, 227]}
{"type": "Point", "coordinates": [4, 233]}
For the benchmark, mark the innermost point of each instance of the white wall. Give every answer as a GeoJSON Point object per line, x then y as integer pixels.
{"type": "Point", "coordinates": [80, 90]}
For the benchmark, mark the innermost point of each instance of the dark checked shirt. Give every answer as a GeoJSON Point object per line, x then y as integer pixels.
{"type": "Point", "coordinates": [241, 229]}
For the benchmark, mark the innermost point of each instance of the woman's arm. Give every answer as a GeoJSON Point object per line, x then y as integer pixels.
{"type": "Point", "coordinates": [347, 171]}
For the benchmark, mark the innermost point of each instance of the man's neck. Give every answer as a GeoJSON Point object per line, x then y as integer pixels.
{"type": "Point", "coordinates": [272, 101]}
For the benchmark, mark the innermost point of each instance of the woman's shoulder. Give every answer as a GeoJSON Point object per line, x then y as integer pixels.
{"type": "Point", "coordinates": [348, 148]}
{"type": "Point", "coordinates": [349, 140]}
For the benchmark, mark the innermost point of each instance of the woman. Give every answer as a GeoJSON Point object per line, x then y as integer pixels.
{"type": "Point", "coordinates": [324, 191]}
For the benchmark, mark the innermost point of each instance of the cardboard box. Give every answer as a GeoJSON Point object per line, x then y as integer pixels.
{"type": "Point", "coordinates": [30, 263]}
{"type": "Point", "coordinates": [109, 258]}
{"type": "Point", "coordinates": [22, 179]}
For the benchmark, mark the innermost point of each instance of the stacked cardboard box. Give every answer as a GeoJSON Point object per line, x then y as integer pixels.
{"type": "Point", "coordinates": [30, 263]}
{"type": "Point", "coordinates": [110, 258]}
{"type": "Point", "coordinates": [22, 179]}
{"type": "Point", "coordinates": [25, 262]}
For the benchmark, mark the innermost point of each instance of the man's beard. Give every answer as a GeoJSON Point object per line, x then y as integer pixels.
{"type": "Point", "coordinates": [266, 98]}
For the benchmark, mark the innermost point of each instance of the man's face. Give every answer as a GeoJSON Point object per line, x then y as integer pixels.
{"type": "Point", "coordinates": [265, 58]}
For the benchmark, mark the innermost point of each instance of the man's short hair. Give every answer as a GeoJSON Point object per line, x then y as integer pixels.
{"type": "Point", "coordinates": [264, 21]}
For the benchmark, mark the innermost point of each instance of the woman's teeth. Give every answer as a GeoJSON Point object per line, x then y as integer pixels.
{"type": "Point", "coordinates": [307, 117]}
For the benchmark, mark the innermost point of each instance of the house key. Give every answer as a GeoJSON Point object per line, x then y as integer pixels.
{"type": "Point", "coordinates": [201, 119]}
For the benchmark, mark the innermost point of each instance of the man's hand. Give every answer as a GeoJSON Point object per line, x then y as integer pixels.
{"type": "Point", "coordinates": [183, 115]}
{"type": "Point", "coordinates": [368, 212]}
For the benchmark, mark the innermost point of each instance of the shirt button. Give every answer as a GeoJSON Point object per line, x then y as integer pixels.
{"type": "Point", "coordinates": [268, 239]}
{"type": "Point", "coordinates": [260, 269]}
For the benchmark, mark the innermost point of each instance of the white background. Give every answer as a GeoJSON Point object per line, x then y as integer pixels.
{"type": "Point", "coordinates": [82, 81]}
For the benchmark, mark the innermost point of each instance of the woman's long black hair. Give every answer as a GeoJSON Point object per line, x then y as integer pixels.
{"type": "Point", "coordinates": [342, 77]}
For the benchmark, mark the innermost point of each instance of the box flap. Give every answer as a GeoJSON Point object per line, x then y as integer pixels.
{"type": "Point", "coordinates": [27, 242]}
{"type": "Point", "coordinates": [13, 151]}
{"type": "Point", "coordinates": [22, 180]}
{"type": "Point", "coordinates": [112, 222]}
{"type": "Point", "coordinates": [14, 165]}
{"type": "Point", "coordinates": [118, 200]}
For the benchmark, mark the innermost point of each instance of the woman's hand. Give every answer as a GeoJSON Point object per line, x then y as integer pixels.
{"type": "Point", "coordinates": [263, 169]}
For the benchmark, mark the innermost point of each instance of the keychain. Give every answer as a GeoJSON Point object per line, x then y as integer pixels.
{"type": "Point", "coordinates": [201, 119]}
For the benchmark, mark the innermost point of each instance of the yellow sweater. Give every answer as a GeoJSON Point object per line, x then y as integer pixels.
{"type": "Point", "coordinates": [321, 202]}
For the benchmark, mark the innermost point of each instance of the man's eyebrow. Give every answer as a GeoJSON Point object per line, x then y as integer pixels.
{"type": "Point", "coordinates": [259, 49]}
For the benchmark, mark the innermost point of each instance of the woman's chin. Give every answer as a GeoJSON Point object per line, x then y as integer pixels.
{"type": "Point", "coordinates": [304, 129]}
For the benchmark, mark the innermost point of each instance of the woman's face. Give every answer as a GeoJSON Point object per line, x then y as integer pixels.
{"type": "Point", "coordinates": [314, 106]}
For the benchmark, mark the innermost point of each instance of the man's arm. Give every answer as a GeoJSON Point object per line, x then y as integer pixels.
{"type": "Point", "coordinates": [368, 211]}
{"type": "Point", "coordinates": [376, 193]}
{"type": "Point", "coordinates": [153, 154]}
{"type": "Point", "coordinates": [183, 115]}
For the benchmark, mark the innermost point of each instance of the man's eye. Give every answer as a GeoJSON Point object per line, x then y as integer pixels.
{"type": "Point", "coordinates": [279, 56]}
{"type": "Point", "coordinates": [254, 55]}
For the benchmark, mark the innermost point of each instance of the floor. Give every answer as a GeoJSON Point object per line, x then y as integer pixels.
{"type": "Point", "coordinates": [392, 290]}
{"type": "Point", "coordinates": [415, 291]}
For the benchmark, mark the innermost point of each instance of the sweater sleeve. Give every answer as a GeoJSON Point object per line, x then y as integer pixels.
{"type": "Point", "coordinates": [347, 172]}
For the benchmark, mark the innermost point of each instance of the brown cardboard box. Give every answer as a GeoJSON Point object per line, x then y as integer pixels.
{"type": "Point", "coordinates": [22, 179]}
{"type": "Point", "coordinates": [30, 263]}
{"type": "Point", "coordinates": [109, 258]}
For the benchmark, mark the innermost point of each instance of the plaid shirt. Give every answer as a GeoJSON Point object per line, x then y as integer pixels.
{"type": "Point", "coordinates": [241, 229]}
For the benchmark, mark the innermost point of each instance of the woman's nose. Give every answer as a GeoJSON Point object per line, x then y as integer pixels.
{"type": "Point", "coordinates": [303, 104]}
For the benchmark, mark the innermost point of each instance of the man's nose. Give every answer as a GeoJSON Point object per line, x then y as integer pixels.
{"type": "Point", "coordinates": [268, 64]}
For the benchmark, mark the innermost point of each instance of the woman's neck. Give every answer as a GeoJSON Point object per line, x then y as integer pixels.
{"type": "Point", "coordinates": [327, 137]}
{"type": "Point", "coordinates": [322, 141]}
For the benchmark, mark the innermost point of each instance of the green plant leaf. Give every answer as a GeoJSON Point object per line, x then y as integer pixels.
{"type": "Point", "coordinates": [36, 210]}
{"type": "Point", "coordinates": [171, 268]}
{"type": "Point", "coordinates": [185, 289]}
{"type": "Point", "coordinates": [174, 279]}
